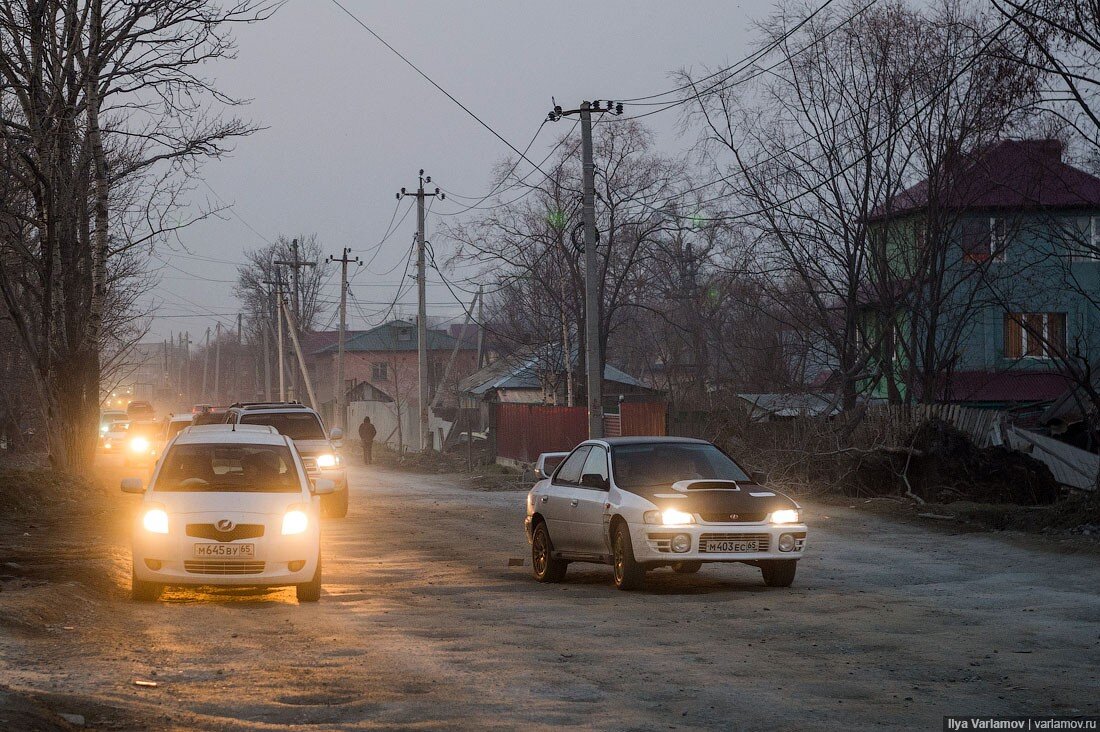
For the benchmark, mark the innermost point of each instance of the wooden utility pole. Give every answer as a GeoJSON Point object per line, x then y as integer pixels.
{"type": "Point", "coordinates": [422, 308]}
{"type": "Point", "coordinates": [341, 391]}
{"type": "Point", "coordinates": [292, 329]}
{"type": "Point", "coordinates": [593, 355]}
{"type": "Point", "coordinates": [205, 364]}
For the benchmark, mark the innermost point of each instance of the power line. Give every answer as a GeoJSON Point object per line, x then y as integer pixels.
{"type": "Point", "coordinates": [431, 81]}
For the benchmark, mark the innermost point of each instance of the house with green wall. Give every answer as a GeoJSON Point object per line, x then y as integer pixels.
{"type": "Point", "coordinates": [989, 279]}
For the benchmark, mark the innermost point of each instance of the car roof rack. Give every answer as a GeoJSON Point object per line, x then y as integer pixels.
{"type": "Point", "coordinates": [264, 405]}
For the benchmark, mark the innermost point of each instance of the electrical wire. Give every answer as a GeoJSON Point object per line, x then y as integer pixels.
{"type": "Point", "coordinates": [431, 81]}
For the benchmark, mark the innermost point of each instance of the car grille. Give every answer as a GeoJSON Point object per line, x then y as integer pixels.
{"type": "Point", "coordinates": [222, 566]}
{"type": "Point", "coordinates": [733, 518]}
{"type": "Point", "coordinates": [210, 531]}
{"type": "Point", "coordinates": [763, 539]}
{"type": "Point", "coordinates": [310, 464]}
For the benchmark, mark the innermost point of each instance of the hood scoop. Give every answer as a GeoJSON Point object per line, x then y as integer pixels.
{"type": "Point", "coordinates": [705, 485]}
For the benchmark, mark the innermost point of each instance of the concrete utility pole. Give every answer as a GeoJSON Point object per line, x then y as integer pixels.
{"type": "Point", "coordinates": [292, 329]}
{"type": "Point", "coordinates": [296, 264]}
{"type": "Point", "coordinates": [593, 359]}
{"type": "Point", "coordinates": [217, 361]}
{"type": "Point", "coordinates": [422, 308]}
{"type": "Point", "coordinates": [205, 364]}
{"type": "Point", "coordinates": [341, 391]}
{"type": "Point", "coordinates": [278, 282]}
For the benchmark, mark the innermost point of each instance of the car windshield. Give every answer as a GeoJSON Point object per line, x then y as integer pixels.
{"type": "Point", "coordinates": [295, 425]}
{"type": "Point", "coordinates": [229, 468]}
{"type": "Point", "coordinates": [662, 464]}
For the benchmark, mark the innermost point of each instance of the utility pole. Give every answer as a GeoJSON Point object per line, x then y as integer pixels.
{"type": "Point", "coordinates": [422, 308]}
{"type": "Point", "coordinates": [205, 364]}
{"type": "Point", "coordinates": [341, 392]}
{"type": "Point", "coordinates": [217, 361]}
{"type": "Point", "coordinates": [593, 359]}
{"type": "Point", "coordinates": [278, 282]}
{"type": "Point", "coordinates": [296, 264]}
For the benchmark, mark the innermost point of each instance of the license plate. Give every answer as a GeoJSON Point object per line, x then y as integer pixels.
{"type": "Point", "coordinates": [225, 551]}
{"type": "Point", "coordinates": [719, 547]}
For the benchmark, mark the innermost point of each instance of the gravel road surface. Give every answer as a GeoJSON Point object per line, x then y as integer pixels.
{"type": "Point", "coordinates": [430, 619]}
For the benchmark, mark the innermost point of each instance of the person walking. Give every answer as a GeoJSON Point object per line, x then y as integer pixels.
{"type": "Point", "coordinates": [367, 433]}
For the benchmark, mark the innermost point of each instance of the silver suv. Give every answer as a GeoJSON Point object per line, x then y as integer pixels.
{"type": "Point", "coordinates": [317, 446]}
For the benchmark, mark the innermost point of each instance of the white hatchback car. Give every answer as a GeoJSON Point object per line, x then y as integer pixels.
{"type": "Point", "coordinates": [639, 503]}
{"type": "Point", "coordinates": [228, 505]}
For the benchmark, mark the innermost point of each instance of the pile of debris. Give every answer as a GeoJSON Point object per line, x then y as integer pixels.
{"type": "Point", "coordinates": [940, 464]}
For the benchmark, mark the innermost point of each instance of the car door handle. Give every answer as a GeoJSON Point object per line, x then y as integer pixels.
{"type": "Point", "coordinates": [573, 503]}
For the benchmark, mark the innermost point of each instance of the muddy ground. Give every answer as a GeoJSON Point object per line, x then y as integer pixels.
{"type": "Point", "coordinates": [427, 622]}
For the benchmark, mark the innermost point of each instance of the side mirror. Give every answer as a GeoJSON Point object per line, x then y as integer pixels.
{"type": "Point", "coordinates": [336, 434]}
{"type": "Point", "coordinates": [132, 485]}
{"type": "Point", "coordinates": [759, 477]}
{"type": "Point", "coordinates": [323, 487]}
{"type": "Point", "coordinates": [594, 480]}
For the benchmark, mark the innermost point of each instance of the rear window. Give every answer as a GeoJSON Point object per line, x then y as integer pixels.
{"type": "Point", "coordinates": [229, 468]}
{"type": "Point", "coordinates": [295, 425]}
{"type": "Point", "coordinates": [175, 427]}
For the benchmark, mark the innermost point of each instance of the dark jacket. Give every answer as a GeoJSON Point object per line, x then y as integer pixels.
{"type": "Point", "coordinates": [367, 431]}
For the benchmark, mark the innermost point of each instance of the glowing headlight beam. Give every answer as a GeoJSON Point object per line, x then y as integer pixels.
{"type": "Point", "coordinates": [139, 444]}
{"type": "Point", "coordinates": [327, 461]}
{"type": "Point", "coordinates": [672, 517]}
{"type": "Point", "coordinates": [295, 522]}
{"type": "Point", "coordinates": [155, 521]}
{"type": "Point", "coordinates": [786, 516]}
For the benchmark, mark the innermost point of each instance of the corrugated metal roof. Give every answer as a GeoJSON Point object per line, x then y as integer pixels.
{"type": "Point", "coordinates": [1010, 174]}
{"type": "Point", "coordinates": [1006, 386]}
{"type": "Point", "coordinates": [524, 371]}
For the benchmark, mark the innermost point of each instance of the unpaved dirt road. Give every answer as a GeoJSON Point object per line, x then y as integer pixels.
{"type": "Point", "coordinates": [425, 624]}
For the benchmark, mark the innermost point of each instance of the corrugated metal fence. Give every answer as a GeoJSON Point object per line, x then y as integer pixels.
{"type": "Point", "coordinates": [525, 430]}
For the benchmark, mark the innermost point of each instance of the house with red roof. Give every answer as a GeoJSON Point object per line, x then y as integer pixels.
{"type": "Point", "coordinates": [1022, 256]}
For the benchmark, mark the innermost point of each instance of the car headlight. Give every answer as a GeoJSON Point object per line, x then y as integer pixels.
{"type": "Point", "coordinates": [328, 461]}
{"type": "Point", "coordinates": [295, 522]}
{"type": "Point", "coordinates": [155, 521]}
{"type": "Point", "coordinates": [668, 517]}
{"type": "Point", "coordinates": [786, 516]}
{"type": "Point", "coordinates": [139, 444]}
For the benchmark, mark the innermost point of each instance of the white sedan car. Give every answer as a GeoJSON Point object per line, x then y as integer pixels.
{"type": "Point", "coordinates": [639, 503]}
{"type": "Point", "coordinates": [228, 505]}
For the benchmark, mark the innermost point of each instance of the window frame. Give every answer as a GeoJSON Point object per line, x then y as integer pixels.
{"type": "Point", "coordinates": [377, 366]}
{"type": "Point", "coordinates": [557, 480]}
{"type": "Point", "coordinates": [998, 245]}
{"type": "Point", "coordinates": [1047, 351]}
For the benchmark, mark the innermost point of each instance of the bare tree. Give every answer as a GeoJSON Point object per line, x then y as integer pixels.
{"type": "Point", "coordinates": [102, 104]}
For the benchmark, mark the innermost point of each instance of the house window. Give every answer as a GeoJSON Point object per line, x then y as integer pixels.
{"type": "Point", "coordinates": [1084, 237]}
{"type": "Point", "coordinates": [998, 238]}
{"type": "Point", "coordinates": [1034, 335]}
{"type": "Point", "coordinates": [379, 371]}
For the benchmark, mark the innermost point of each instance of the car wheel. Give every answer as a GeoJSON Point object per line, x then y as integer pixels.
{"type": "Point", "coordinates": [629, 575]}
{"type": "Point", "coordinates": [778, 572]}
{"type": "Point", "coordinates": [544, 565]}
{"type": "Point", "coordinates": [687, 567]}
{"type": "Point", "coordinates": [336, 504]}
{"type": "Point", "coordinates": [310, 591]}
{"type": "Point", "coordinates": [141, 591]}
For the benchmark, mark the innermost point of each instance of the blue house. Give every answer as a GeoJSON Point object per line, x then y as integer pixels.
{"type": "Point", "coordinates": [1011, 295]}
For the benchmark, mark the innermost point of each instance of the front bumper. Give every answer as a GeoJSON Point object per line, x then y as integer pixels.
{"type": "Point", "coordinates": [653, 543]}
{"type": "Point", "coordinates": [170, 559]}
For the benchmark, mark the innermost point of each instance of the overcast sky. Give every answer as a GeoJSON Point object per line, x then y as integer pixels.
{"type": "Point", "coordinates": [348, 123]}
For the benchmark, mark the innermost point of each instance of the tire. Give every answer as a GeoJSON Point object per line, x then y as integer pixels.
{"type": "Point", "coordinates": [687, 567]}
{"type": "Point", "coordinates": [141, 591]}
{"type": "Point", "coordinates": [336, 504]}
{"type": "Point", "coordinates": [310, 591]}
{"type": "Point", "coordinates": [544, 566]}
{"type": "Point", "coordinates": [629, 575]}
{"type": "Point", "coordinates": [778, 572]}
